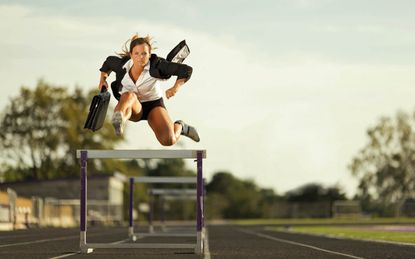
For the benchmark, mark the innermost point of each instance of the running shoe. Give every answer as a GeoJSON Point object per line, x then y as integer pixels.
{"type": "Point", "coordinates": [118, 123]}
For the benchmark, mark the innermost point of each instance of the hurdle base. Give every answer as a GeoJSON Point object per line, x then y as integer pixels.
{"type": "Point", "coordinates": [86, 250]}
{"type": "Point", "coordinates": [131, 234]}
{"type": "Point", "coordinates": [82, 244]}
{"type": "Point", "coordinates": [199, 248]}
{"type": "Point", "coordinates": [133, 238]}
{"type": "Point", "coordinates": [165, 234]}
{"type": "Point", "coordinates": [140, 246]}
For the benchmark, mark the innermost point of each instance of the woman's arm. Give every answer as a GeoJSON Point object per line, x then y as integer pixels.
{"type": "Point", "coordinates": [111, 63]}
{"type": "Point", "coordinates": [182, 71]}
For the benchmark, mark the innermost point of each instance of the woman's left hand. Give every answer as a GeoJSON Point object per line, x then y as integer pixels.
{"type": "Point", "coordinates": [171, 92]}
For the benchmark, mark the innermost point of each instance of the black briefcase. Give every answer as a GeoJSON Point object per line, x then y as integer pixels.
{"type": "Point", "coordinates": [98, 110]}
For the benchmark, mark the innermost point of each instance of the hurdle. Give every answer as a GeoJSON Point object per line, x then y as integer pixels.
{"type": "Point", "coordinates": [198, 155]}
{"type": "Point", "coordinates": [168, 194]}
{"type": "Point", "coordinates": [152, 192]}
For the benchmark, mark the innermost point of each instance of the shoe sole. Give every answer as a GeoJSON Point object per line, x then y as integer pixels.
{"type": "Point", "coordinates": [117, 122]}
{"type": "Point", "coordinates": [192, 133]}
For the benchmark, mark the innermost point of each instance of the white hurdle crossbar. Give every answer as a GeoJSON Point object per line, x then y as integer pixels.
{"type": "Point", "coordinates": [162, 191]}
{"type": "Point", "coordinates": [141, 153]}
{"type": "Point", "coordinates": [84, 155]}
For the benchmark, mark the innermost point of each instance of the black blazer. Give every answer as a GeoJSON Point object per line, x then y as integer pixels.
{"type": "Point", "coordinates": [159, 68]}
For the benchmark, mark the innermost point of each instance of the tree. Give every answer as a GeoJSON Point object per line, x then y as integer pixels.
{"type": "Point", "coordinates": [237, 198]}
{"type": "Point", "coordinates": [385, 166]}
{"type": "Point", "coordinates": [40, 130]}
{"type": "Point", "coordinates": [314, 192]}
{"type": "Point", "coordinates": [74, 113]}
{"type": "Point", "coordinates": [169, 167]}
{"type": "Point", "coordinates": [269, 200]}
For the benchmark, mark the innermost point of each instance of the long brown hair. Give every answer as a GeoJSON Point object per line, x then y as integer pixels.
{"type": "Point", "coordinates": [134, 41]}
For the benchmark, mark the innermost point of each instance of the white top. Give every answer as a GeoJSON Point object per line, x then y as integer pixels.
{"type": "Point", "coordinates": [146, 87]}
{"type": "Point", "coordinates": [141, 153]}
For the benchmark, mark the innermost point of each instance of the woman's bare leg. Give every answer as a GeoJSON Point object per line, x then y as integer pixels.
{"type": "Point", "coordinates": [128, 108]}
{"type": "Point", "coordinates": [167, 132]}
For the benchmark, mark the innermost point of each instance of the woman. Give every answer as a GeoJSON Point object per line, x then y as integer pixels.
{"type": "Point", "coordinates": [138, 74]}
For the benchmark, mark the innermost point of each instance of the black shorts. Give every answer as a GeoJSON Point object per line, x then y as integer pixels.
{"type": "Point", "coordinates": [148, 106]}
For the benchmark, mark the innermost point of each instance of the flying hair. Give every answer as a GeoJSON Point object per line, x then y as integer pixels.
{"type": "Point", "coordinates": [134, 41]}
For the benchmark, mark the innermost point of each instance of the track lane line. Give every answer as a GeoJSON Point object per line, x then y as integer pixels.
{"type": "Point", "coordinates": [38, 241]}
{"type": "Point", "coordinates": [297, 243]}
{"type": "Point", "coordinates": [75, 253]}
{"type": "Point", "coordinates": [65, 255]}
{"type": "Point", "coordinates": [206, 248]}
{"type": "Point", "coordinates": [28, 234]}
{"type": "Point", "coordinates": [49, 239]}
{"type": "Point", "coordinates": [120, 242]}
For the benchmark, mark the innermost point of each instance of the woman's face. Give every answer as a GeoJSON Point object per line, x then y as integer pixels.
{"type": "Point", "coordinates": [140, 54]}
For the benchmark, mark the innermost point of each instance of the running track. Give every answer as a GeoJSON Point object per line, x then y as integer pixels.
{"type": "Point", "coordinates": [224, 242]}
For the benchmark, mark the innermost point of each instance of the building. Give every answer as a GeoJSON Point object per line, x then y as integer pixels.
{"type": "Point", "coordinates": [56, 202]}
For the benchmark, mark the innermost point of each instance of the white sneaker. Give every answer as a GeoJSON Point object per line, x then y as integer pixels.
{"type": "Point", "coordinates": [118, 122]}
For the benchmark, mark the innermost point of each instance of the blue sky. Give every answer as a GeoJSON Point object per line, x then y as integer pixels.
{"type": "Point", "coordinates": [282, 91]}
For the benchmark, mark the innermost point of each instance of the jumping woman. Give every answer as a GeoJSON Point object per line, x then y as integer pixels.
{"type": "Point", "coordinates": [139, 95]}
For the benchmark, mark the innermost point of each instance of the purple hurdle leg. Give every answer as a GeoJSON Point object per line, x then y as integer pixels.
{"type": "Point", "coordinates": [83, 203]}
{"type": "Point", "coordinates": [199, 200]}
{"type": "Point", "coordinates": [163, 227]}
{"type": "Point", "coordinates": [130, 212]}
{"type": "Point", "coordinates": [150, 213]}
{"type": "Point", "coordinates": [203, 199]}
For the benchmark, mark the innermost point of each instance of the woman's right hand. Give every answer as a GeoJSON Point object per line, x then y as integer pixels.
{"type": "Point", "coordinates": [103, 80]}
{"type": "Point", "coordinates": [103, 83]}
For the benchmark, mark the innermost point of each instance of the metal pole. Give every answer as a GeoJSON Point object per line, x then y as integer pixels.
{"type": "Point", "coordinates": [203, 199]}
{"type": "Point", "coordinates": [83, 204]}
{"type": "Point", "coordinates": [84, 157]}
{"type": "Point", "coordinates": [163, 227]}
{"type": "Point", "coordinates": [199, 214]}
{"type": "Point", "coordinates": [150, 214]}
{"type": "Point", "coordinates": [130, 212]}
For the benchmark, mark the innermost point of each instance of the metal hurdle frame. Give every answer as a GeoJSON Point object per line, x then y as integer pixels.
{"type": "Point", "coordinates": [199, 155]}
{"type": "Point", "coordinates": [172, 194]}
{"type": "Point", "coordinates": [168, 194]}
{"type": "Point", "coordinates": [154, 179]}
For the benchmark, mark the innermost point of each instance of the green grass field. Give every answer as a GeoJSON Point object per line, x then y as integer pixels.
{"type": "Point", "coordinates": [358, 228]}
{"type": "Point", "coordinates": [323, 221]}
{"type": "Point", "coordinates": [355, 232]}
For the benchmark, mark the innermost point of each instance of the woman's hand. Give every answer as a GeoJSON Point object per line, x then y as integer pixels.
{"type": "Point", "coordinates": [103, 81]}
{"type": "Point", "coordinates": [171, 91]}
